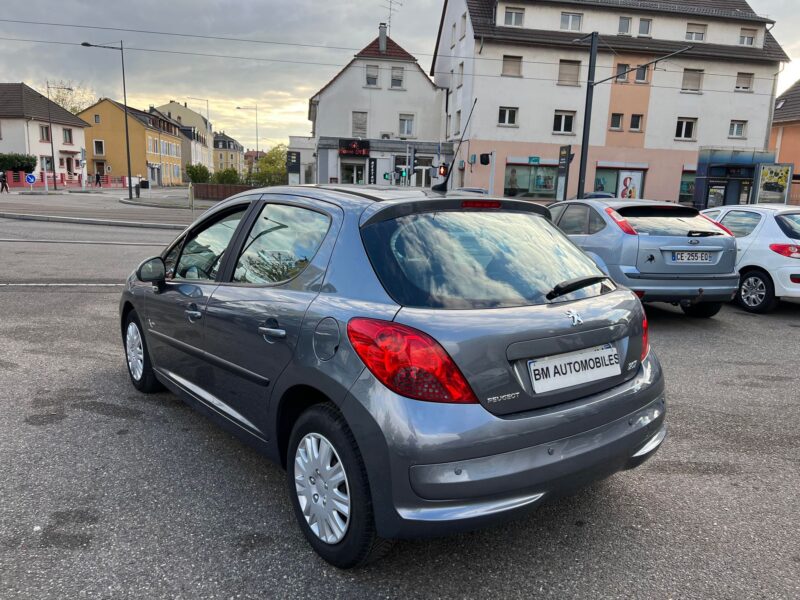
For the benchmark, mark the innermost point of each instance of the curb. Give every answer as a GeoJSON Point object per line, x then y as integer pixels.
{"type": "Point", "coordinates": [87, 221]}
{"type": "Point", "coordinates": [170, 206]}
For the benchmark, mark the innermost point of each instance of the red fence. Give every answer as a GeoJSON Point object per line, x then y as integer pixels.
{"type": "Point", "coordinates": [16, 179]}
{"type": "Point", "coordinates": [218, 191]}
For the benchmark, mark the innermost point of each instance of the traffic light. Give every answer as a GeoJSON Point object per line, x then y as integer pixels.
{"type": "Point", "coordinates": [443, 170]}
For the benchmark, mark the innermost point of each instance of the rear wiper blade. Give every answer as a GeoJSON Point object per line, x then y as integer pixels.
{"type": "Point", "coordinates": [573, 285]}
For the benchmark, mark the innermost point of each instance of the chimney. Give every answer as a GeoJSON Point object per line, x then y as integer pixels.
{"type": "Point", "coordinates": [382, 38]}
{"type": "Point", "coordinates": [185, 105]}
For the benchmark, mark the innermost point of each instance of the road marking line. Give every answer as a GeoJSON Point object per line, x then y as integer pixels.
{"type": "Point", "coordinates": [93, 242]}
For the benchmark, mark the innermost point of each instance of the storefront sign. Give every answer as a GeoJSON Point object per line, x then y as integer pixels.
{"type": "Point", "coordinates": [562, 177]}
{"type": "Point", "coordinates": [773, 183]}
{"type": "Point", "coordinates": [534, 160]}
{"type": "Point", "coordinates": [372, 171]}
{"type": "Point", "coordinates": [630, 184]}
{"type": "Point", "coordinates": [353, 147]}
{"type": "Point", "coordinates": [292, 162]}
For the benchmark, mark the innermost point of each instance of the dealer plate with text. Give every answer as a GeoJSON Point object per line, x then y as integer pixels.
{"type": "Point", "coordinates": [691, 257]}
{"type": "Point", "coordinates": [574, 368]}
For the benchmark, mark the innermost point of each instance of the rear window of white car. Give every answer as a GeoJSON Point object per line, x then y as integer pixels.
{"type": "Point", "coordinates": [677, 221]}
{"type": "Point", "coordinates": [790, 224]}
{"type": "Point", "coordinates": [475, 259]}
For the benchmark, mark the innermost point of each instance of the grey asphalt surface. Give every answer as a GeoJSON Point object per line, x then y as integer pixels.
{"type": "Point", "coordinates": [106, 493]}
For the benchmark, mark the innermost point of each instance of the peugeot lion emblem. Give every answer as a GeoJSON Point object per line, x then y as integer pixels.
{"type": "Point", "coordinates": [576, 318]}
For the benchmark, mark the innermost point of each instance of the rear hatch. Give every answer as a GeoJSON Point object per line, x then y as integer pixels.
{"type": "Point", "coordinates": [478, 280]}
{"type": "Point", "coordinates": [678, 241]}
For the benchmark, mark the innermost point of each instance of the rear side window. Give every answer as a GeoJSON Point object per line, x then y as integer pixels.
{"type": "Point", "coordinates": [741, 222]}
{"type": "Point", "coordinates": [555, 211]}
{"type": "Point", "coordinates": [790, 224]}
{"type": "Point", "coordinates": [280, 245]}
{"type": "Point", "coordinates": [464, 260]}
{"type": "Point", "coordinates": [680, 221]}
{"type": "Point", "coordinates": [596, 222]}
{"type": "Point", "coordinates": [575, 220]}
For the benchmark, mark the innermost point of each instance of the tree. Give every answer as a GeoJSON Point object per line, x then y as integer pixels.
{"type": "Point", "coordinates": [198, 173]}
{"type": "Point", "coordinates": [272, 168]}
{"type": "Point", "coordinates": [230, 176]}
{"type": "Point", "coordinates": [17, 162]}
{"type": "Point", "coordinates": [75, 99]}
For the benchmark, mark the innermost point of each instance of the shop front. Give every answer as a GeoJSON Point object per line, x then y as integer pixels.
{"type": "Point", "coordinates": [725, 177]}
{"type": "Point", "coordinates": [624, 181]}
{"type": "Point", "coordinates": [525, 180]}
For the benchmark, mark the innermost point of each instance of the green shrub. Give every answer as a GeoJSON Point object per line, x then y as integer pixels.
{"type": "Point", "coordinates": [17, 162]}
{"type": "Point", "coordinates": [198, 173]}
{"type": "Point", "coordinates": [230, 176]}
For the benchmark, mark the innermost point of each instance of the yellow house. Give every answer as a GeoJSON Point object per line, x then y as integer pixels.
{"type": "Point", "coordinates": [155, 143]}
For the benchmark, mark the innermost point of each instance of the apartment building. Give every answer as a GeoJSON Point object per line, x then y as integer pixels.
{"type": "Point", "coordinates": [155, 143]}
{"type": "Point", "coordinates": [228, 153]}
{"type": "Point", "coordinates": [372, 116]}
{"type": "Point", "coordinates": [525, 66]}
{"type": "Point", "coordinates": [203, 133]}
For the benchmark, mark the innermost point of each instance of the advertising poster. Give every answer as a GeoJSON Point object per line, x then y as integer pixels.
{"type": "Point", "coordinates": [774, 183]}
{"type": "Point", "coordinates": [629, 184]}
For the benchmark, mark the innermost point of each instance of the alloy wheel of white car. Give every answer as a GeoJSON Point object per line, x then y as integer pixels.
{"type": "Point", "coordinates": [753, 291]}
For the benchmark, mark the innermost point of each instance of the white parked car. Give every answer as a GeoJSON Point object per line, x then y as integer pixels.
{"type": "Point", "coordinates": [768, 251]}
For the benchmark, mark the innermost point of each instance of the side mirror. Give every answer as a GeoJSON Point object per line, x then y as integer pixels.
{"type": "Point", "coordinates": [153, 270]}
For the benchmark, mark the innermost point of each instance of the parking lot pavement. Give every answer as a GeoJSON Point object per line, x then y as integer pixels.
{"type": "Point", "coordinates": [108, 493]}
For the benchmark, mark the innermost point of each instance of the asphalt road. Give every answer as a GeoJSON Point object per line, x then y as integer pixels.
{"type": "Point", "coordinates": [106, 493]}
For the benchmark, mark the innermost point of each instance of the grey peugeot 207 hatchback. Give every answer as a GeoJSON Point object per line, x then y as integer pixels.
{"type": "Point", "coordinates": [420, 365]}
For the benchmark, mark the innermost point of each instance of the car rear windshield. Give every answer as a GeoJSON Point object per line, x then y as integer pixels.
{"type": "Point", "coordinates": [475, 259]}
{"type": "Point", "coordinates": [668, 221]}
{"type": "Point", "coordinates": [790, 224]}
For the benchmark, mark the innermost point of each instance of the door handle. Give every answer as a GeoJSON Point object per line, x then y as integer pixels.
{"type": "Point", "coordinates": [193, 314]}
{"type": "Point", "coordinates": [272, 332]}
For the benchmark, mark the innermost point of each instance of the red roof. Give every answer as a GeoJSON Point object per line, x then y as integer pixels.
{"type": "Point", "coordinates": [393, 51]}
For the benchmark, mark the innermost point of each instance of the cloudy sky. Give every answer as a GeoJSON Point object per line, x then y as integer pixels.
{"type": "Point", "coordinates": [280, 78]}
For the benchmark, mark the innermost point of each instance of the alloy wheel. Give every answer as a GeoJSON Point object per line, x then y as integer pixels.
{"type": "Point", "coordinates": [754, 291]}
{"type": "Point", "coordinates": [322, 488]}
{"type": "Point", "coordinates": [134, 349]}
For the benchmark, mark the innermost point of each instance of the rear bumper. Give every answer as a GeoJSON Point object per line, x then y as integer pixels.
{"type": "Point", "coordinates": [782, 278]}
{"type": "Point", "coordinates": [673, 288]}
{"type": "Point", "coordinates": [436, 469]}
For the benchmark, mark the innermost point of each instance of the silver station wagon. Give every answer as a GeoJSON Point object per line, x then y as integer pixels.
{"type": "Point", "coordinates": [419, 365]}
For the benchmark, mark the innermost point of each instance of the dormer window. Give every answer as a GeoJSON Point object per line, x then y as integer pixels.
{"type": "Point", "coordinates": [696, 32]}
{"type": "Point", "coordinates": [747, 37]}
{"type": "Point", "coordinates": [514, 17]}
{"type": "Point", "coordinates": [645, 27]}
{"type": "Point", "coordinates": [625, 25]}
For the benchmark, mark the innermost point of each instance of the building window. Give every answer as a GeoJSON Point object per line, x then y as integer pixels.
{"type": "Point", "coordinates": [622, 73]}
{"type": "Point", "coordinates": [372, 75]}
{"type": "Point", "coordinates": [744, 82]}
{"type": "Point", "coordinates": [460, 80]}
{"type": "Point", "coordinates": [458, 122]}
{"type": "Point", "coordinates": [359, 124]}
{"type": "Point", "coordinates": [571, 21]}
{"type": "Point", "coordinates": [453, 35]}
{"type": "Point", "coordinates": [406, 125]}
{"type": "Point", "coordinates": [636, 122]}
{"type": "Point", "coordinates": [686, 194]}
{"type": "Point", "coordinates": [686, 129]}
{"type": "Point", "coordinates": [97, 118]}
{"type": "Point", "coordinates": [514, 17]}
{"type": "Point", "coordinates": [569, 72]}
{"type": "Point", "coordinates": [642, 73]}
{"type": "Point", "coordinates": [220, 156]}
{"type": "Point", "coordinates": [564, 121]}
{"type": "Point", "coordinates": [625, 25]}
{"type": "Point", "coordinates": [397, 77]}
{"type": "Point", "coordinates": [99, 147]}
{"type": "Point", "coordinates": [512, 66]}
{"type": "Point", "coordinates": [645, 27]}
{"type": "Point", "coordinates": [533, 181]}
{"type": "Point", "coordinates": [44, 133]}
{"type": "Point", "coordinates": [447, 127]}
{"type": "Point", "coordinates": [696, 32]}
{"type": "Point", "coordinates": [738, 129]}
{"type": "Point", "coordinates": [616, 121]}
{"type": "Point", "coordinates": [463, 25]}
{"type": "Point", "coordinates": [692, 80]}
{"type": "Point", "coordinates": [507, 116]}
{"type": "Point", "coordinates": [748, 37]}
{"type": "Point", "coordinates": [67, 135]}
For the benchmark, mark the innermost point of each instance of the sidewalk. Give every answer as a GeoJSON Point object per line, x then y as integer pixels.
{"type": "Point", "coordinates": [105, 209]}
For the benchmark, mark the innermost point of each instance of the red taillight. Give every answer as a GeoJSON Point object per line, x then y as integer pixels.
{"type": "Point", "coordinates": [621, 221]}
{"type": "Point", "coordinates": [787, 250]}
{"type": "Point", "coordinates": [481, 204]}
{"type": "Point", "coordinates": [409, 362]}
{"type": "Point", "coordinates": [795, 278]}
{"type": "Point", "coordinates": [639, 294]}
{"type": "Point", "coordinates": [718, 224]}
{"type": "Point", "coordinates": [645, 339]}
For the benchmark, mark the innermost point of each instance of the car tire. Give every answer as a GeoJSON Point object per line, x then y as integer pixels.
{"type": "Point", "coordinates": [756, 292]}
{"type": "Point", "coordinates": [137, 356]}
{"type": "Point", "coordinates": [344, 542]}
{"type": "Point", "coordinates": [703, 310]}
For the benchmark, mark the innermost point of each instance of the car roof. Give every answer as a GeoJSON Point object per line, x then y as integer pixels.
{"type": "Point", "coordinates": [617, 203]}
{"type": "Point", "coordinates": [775, 208]}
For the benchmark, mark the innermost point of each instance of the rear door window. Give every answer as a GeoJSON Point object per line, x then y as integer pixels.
{"type": "Point", "coordinates": [575, 220]}
{"type": "Point", "coordinates": [677, 221]}
{"type": "Point", "coordinates": [475, 259]}
{"type": "Point", "coordinates": [790, 224]}
{"type": "Point", "coordinates": [596, 222]}
{"type": "Point", "coordinates": [741, 222]}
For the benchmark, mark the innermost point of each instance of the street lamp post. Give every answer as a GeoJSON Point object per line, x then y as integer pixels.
{"type": "Point", "coordinates": [255, 108]}
{"type": "Point", "coordinates": [125, 105]}
{"type": "Point", "coordinates": [50, 130]}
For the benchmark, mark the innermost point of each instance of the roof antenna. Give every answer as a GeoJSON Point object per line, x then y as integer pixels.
{"type": "Point", "coordinates": [392, 6]}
